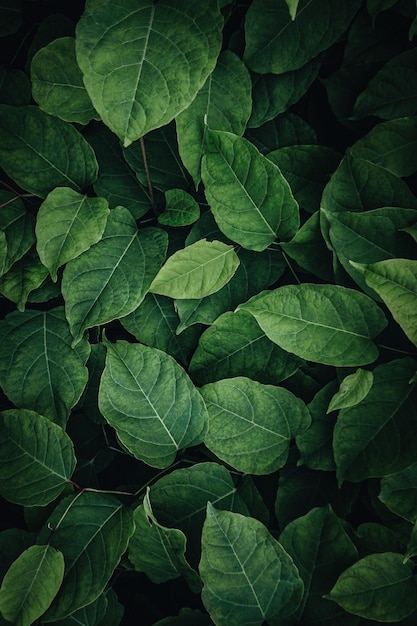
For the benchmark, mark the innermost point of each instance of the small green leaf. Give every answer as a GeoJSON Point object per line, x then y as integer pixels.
{"type": "Point", "coordinates": [247, 575]}
{"type": "Point", "coordinates": [292, 7]}
{"type": "Point", "coordinates": [395, 280]}
{"type": "Point", "coordinates": [37, 458]}
{"type": "Point", "coordinates": [40, 152]}
{"type": "Point", "coordinates": [196, 271]}
{"type": "Point", "coordinates": [26, 275]}
{"type": "Point", "coordinates": [324, 323]}
{"type": "Point", "coordinates": [181, 209]}
{"type": "Point", "coordinates": [379, 587]}
{"type": "Point", "coordinates": [17, 230]}
{"type": "Point", "coordinates": [399, 492]}
{"type": "Point", "coordinates": [250, 199]}
{"type": "Point", "coordinates": [67, 224]}
{"type": "Point", "coordinates": [57, 82]}
{"type": "Point", "coordinates": [103, 529]}
{"type": "Point", "coordinates": [251, 424]}
{"type": "Point", "coordinates": [114, 275]}
{"type": "Point", "coordinates": [353, 389]}
{"type": "Point", "coordinates": [30, 584]}
{"type": "Point", "coordinates": [133, 86]}
{"type": "Point", "coordinates": [150, 401]}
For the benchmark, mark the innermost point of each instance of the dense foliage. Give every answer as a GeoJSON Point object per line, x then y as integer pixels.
{"type": "Point", "coordinates": [208, 330]}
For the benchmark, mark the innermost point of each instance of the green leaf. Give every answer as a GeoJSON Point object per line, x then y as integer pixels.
{"type": "Point", "coordinates": [223, 103]}
{"type": "Point", "coordinates": [133, 86]}
{"type": "Point", "coordinates": [379, 587]}
{"type": "Point", "coordinates": [247, 575]}
{"type": "Point", "coordinates": [287, 129]}
{"type": "Point", "coordinates": [235, 346]}
{"type": "Point", "coordinates": [391, 144]}
{"type": "Point", "coordinates": [395, 280]}
{"type": "Point", "coordinates": [150, 401]}
{"type": "Point", "coordinates": [67, 224]}
{"type": "Point", "coordinates": [31, 584]}
{"type": "Point", "coordinates": [292, 7]}
{"type": "Point", "coordinates": [91, 615]}
{"type": "Point", "coordinates": [181, 209]}
{"type": "Point", "coordinates": [399, 492]}
{"type": "Point", "coordinates": [277, 43]}
{"type": "Point", "coordinates": [17, 227]}
{"type": "Point", "coordinates": [40, 152]}
{"type": "Point", "coordinates": [24, 276]}
{"type": "Point", "coordinates": [276, 93]}
{"type": "Point", "coordinates": [103, 528]}
{"type": "Point", "coordinates": [57, 82]}
{"type": "Point", "coordinates": [391, 92]}
{"type": "Point", "coordinates": [196, 271]}
{"type": "Point", "coordinates": [353, 389]}
{"type": "Point", "coordinates": [37, 458]}
{"type": "Point", "coordinates": [159, 551]}
{"type": "Point", "coordinates": [114, 275]}
{"type": "Point", "coordinates": [324, 323]}
{"type": "Point", "coordinates": [250, 199]}
{"type": "Point", "coordinates": [38, 368]}
{"type": "Point", "coordinates": [374, 7]}
{"type": "Point", "coordinates": [251, 424]}
{"type": "Point", "coordinates": [321, 549]}
{"type": "Point", "coordinates": [377, 436]}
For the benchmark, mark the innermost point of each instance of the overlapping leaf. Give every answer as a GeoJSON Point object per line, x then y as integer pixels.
{"type": "Point", "coordinates": [399, 492]}
{"type": "Point", "coordinates": [181, 209]}
{"type": "Point", "coordinates": [16, 229]}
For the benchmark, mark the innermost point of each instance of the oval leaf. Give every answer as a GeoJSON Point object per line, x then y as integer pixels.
{"type": "Point", "coordinates": [37, 458]}
{"type": "Point", "coordinates": [250, 199]}
{"type": "Point", "coordinates": [133, 86]}
{"type": "Point", "coordinates": [181, 209]}
{"type": "Point", "coordinates": [114, 275]}
{"type": "Point", "coordinates": [247, 575]}
{"type": "Point", "coordinates": [30, 584]}
{"type": "Point", "coordinates": [196, 271]}
{"type": "Point", "coordinates": [150, 401]}
{"type": "Point", "coordinates": [251, 425]}
{"type": "Point", "coordinates": [353, 389]}
{"type": "Point", "coordinates": [328, 324]}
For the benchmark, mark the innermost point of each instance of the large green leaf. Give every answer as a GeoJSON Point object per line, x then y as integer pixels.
{"type": "Point", "coordinates": [37, 458]}
{"type": "Point", "coordinates": [249, 197]}
{"type": "Point", "coordinates": [103, 528]}
{"type": "Point", "coordinates": [38, 368]}
{"type": "Point", "coordinates": [324, 323]}
{"type": "Point", "coordinates": [67, 224]}
{"type": "Point", "coordinates": [399, 492]}
{"type": "Point", "coordinates": [197, 271]}
{"type": "Point", "coordinates": [247, 575]}
{"type": "Point", "coordinates": [114, 275]}
{"type": "Point", "coordinates": [40, 152]}
{"type": "Point", "coordinates": [321, 549]}
{"type": "Point", "coordinates": [377, 437]}
{"type": "Point", "coordinates": [150, 401]}
{"type": "Point", "coordinates": [133, 86]}
{"type": "Point", "coordinates": [251, 424]}
{"type": "Point", "coordinates": [57, 82]}
{"type": "Point", "coordinates": [380, 587]}
{"type": "Point", "coordinates": [277, 43]}
{"type": "Point", "coordinates": [395, 280]}
{"type": "Point", "coordinates": [31, 584]}
{"type": "Point", "coordinates": [223, 103]}
{"type": "Point", "coordinates": [234, 345]}
{"type": "Point", "coordinates": [17, 229]}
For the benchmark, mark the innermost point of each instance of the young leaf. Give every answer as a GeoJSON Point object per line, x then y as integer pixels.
{"type": "Point", "coordinates": [395, 280]}
{"type": "Point", "coordinates": [37, 458]}
{"type": "Point", "coordinates": [353, 389]}
{"type": "Point", "coordinates": [379, 587]}
{"type": "Point", "coordinates": [196, 271]}
{"type": "Point", "coordinates": [114, 275]}
{"type": "Point", "coordinates": [249, 198]}
{"type": "Point", "coordinates": [57, 82]}
{"type": "Point", "coordinates": [247, 575]}
{"type": "Point", "coordinates": [30, 584]}
{"type": "Point", "coordinates": [399, 492]}
{"type": "Point", "coordinates": [40, 152]}
{"type": "Point", "coordinates": [150, 401]}
{"type": "Point", "coordinates": [377, 437]}
{"type": "Point", "coordinates": [324, 323]}
{"type": "Point", "coordinates": [181, 209]}
{"type": "Point", "coordinates": [251, 425]}
{"type": "Point", "coordinates": [277, 43]}
{"type": "Point", "coordinates": [133, 86]}
{"type": "Point", "coordinates": [67, 224]}
{"type": "Point", "coordinates": [92, 552]}
{"type": "Point", "coordinates": [223, 103]}
{"type": "Point", "coordinates": [38, 368]}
